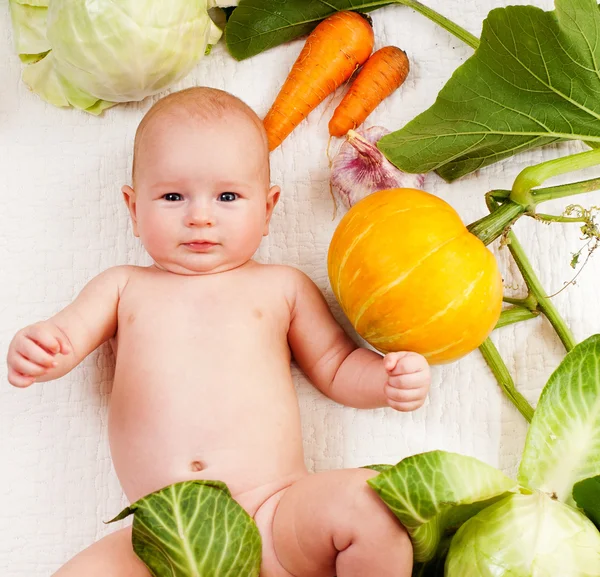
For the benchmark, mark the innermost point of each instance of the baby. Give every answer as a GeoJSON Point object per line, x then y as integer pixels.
{"type": "Point", "coordinates": [203, 340]}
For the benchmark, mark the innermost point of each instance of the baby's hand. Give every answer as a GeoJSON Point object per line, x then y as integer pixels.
{"type": "Point", "coordinates": [32, 352]}
{"type": "Point", "coordinates": [409, 377]}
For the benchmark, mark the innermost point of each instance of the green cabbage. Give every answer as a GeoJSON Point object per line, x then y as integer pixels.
{"type": "Point", "coordinates": [563, 441]}
{"type": "Point", "coordinates": [92, 54]}
{"type": "Point", "coordinates": [526, 536]}
{"type": "Point", "coordinates": [433, 493]}
{"type": "Point", "coordinates": [498, 527]}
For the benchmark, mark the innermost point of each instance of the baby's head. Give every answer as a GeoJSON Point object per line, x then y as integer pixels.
{"type": "Point", "coordinates": [201, 199]}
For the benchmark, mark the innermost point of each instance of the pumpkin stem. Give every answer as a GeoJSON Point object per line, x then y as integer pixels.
{"type": "Point", "coordinates": [490, 227]}
{"type": "Point", "coordinates": [529, 302]}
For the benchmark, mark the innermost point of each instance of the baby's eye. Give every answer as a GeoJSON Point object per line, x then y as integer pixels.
{"type": "Point", "coordinates": [172, 196]}
{"type": "Point", "coordinates": [227, 196]}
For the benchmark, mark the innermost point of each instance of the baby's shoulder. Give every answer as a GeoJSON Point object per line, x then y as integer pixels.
{"type": "Point", "coordinates": [120, 275]}
{"type": "Point", "coordinates": [287, 279]}
{"type": "Point", "coordinates": [284, 273]}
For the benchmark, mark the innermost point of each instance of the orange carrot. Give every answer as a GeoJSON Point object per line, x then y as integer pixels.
{"type": "Point", "coordinates": [384, 72]}
{"type": "Point", "coordinates": [333, 51]}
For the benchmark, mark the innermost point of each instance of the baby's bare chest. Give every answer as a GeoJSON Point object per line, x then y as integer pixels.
{"type": "Point", "coordinates": [175, 324]}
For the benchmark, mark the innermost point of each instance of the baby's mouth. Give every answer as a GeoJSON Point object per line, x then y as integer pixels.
{"type": "Point", "coordinates": [200, 245]}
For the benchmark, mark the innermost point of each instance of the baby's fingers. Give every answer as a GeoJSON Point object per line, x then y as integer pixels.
{"type": "Point", "coordinates": [404, 395]}
{"type": "Point", "coordinates": [410, 381]}
{"type": "Point", "coordinates": [16, 379]}
{"type": "Point", "coordinates": [33, 352]}
{"type": "Point", "coordinates": [53, 343]}
{"type": "Point", "coordinates": [405, 363]}
{"type": "Point", "coordinates": [405, 400]}
{"type": "Point", "coordinates": [406, 407]}
{"type": "Point", "coordinates": [26, 367]}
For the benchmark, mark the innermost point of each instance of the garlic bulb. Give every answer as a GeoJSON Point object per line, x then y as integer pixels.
{"type": "Point", "coordinates": [360, 168]}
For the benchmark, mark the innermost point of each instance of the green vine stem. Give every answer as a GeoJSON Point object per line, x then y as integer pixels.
{"type": "Point", "coordinates": [559, 218]}
{"type": "Point", "coordinates": [515, 315]}
{"type": "Point", "coordinates": [563, 190]}
{"type": "Point", "coordinates": [536, 290]}
{"type": "Point", "coordinates": [533, 176]}
{"type": "Point", "coordinates": [442, 21]}
{"type": "Point", "coordinates": [544, 304]}
{"type": "Point", "coordinates": [535, 302]}
{"type": "Point", "coordinates": [493, 225]}
{"type": "Point", "coordinates": [494, 360]}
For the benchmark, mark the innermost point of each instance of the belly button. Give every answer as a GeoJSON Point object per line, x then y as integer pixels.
{"type": "Point", "coordinates": [197, 466]}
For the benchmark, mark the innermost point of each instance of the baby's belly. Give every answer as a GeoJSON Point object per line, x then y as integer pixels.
{"type": "Point", "coordinates": [240, 427]}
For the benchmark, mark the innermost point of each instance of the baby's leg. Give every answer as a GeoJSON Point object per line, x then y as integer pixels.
{"type": "Point", "coordinates": [112, 556]}
{"type": "Point", "coordinates": [333, 523]}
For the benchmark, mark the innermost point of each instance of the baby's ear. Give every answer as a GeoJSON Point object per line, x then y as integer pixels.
{"type": "Point", "coordinates": [272, 199]}
{"type": "Point", "coordinates": [129, 197]}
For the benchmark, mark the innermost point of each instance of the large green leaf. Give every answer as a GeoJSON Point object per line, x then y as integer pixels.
{"type": "Point", "coordinates": [194, 529]}
{"type": "Point", "coordinates": [533, 80]}
{"type": "Point", "coordinates": [258, 25]}
{"type": "Point", "coordinates": [433, 493]}
{"type": "Point", "coordinates": [563, 441]}
{"type": "Point", "coordinates": [587, 496]}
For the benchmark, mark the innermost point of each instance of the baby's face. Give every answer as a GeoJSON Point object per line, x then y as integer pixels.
{"type": "Point", "coordinates": [202, 201]}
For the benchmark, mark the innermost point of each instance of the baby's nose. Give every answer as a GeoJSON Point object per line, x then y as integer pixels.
{"type": "Point", "coordinates": [200, 214]}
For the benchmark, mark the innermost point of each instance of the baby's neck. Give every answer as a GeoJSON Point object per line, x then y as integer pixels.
{"type": "Point", "coordinates": [192, 272]}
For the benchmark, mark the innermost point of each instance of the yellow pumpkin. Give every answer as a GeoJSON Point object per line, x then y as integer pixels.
{"type": "Point", "coordinates": [410, 277]}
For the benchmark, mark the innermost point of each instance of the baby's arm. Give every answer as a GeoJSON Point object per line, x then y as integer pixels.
{"type": "Point", "coordinates": [353, 376]}
{"type": "Point", "coordinates": [49, 349]}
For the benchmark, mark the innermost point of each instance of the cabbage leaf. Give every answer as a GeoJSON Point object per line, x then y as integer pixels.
{"type": "Point", "coordinates": [533, 80]}
{"type": "Point", "coordinates": [433, 493]}
{"type": "Point", "coordinates": [525, 536]}
{"type": "Point", "coordinates": [587, 496]}
{"type": "Point", "coordinates": [434, 567]}
{"type": "Point", "coordinates": [563, 440]}
{"type": "Point", "coordinates": [194, 528]}
{"type": "Point", "coordinates": [380, 468]}
{"type": "Point", "coordinates": [29, 28]}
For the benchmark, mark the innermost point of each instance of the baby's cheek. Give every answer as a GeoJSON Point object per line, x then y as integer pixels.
{"type": "Point", "coordinates": [249, 234]}
{"type": "Point", "coordinates": [155, 236]}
